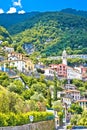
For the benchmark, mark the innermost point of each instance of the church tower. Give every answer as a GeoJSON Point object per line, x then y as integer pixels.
{"type": "Point", "coordinates": [64, 57]}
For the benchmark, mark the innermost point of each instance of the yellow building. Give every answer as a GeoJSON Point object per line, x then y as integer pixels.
{"type": "Point", "coordinates": [29, 65]}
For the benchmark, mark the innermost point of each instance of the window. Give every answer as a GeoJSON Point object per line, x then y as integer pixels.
{"type": "Point", "coordinates": [60, 66]}
{"type": "Point", "coordinates": [64, 67]}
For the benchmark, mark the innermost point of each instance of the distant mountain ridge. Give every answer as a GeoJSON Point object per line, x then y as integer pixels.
{"type": "Point", "coordinates": [75, 12]}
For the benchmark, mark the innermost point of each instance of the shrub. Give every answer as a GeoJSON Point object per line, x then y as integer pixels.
{"type": "Point", "coordinates": [13, 119]}
{"type": "Point", "coordinates": [3, 119]}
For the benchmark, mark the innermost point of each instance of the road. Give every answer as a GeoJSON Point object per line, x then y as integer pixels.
{"type": "Point", "coordinates": [61, 128]}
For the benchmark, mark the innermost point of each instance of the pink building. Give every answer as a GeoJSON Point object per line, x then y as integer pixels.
{"type": "Point", "coordinates": [61, 69]}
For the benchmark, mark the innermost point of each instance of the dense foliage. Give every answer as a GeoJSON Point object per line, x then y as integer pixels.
{"type": "Point", "coordinates": [48, 34]}
{"type": "Point", "coordinates": [5, 36]}
{"type": "Point", "coordinates": [34, 94]}
{"type": "Point", "coordinates": [80, 120]}
{"type": "Point", "coordinates": [12, 119]}
{"type": "Point", "coordinates": [51, 32]}
{"type": "Point", "coordinates": [75, 109]}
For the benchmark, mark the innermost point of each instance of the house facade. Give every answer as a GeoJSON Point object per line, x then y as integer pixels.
{"type": "Point", "coordinates": [61, 69]}
{"type": "Point", "coordinates": [18, 61]}
{"type": "Point", "coordinates": [73, 73]}
{"type": "Point", "coordinates": [49, 72]}
{"type": "Point", "coordinates": [71, 95]}
{"type": "Point", "coordinates": [8, 49]}
{"type": "Point", "coordinates": [83, 103]}
{"type": "Point", "coordinates": [74, 94]}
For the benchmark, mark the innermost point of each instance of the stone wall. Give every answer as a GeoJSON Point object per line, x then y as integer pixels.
{"type": "Point", "coordinates": [44, 125]}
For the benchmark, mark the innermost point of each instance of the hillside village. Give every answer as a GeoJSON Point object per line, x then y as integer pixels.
{"type": "Point", "coordinates": [16, 63]}
{"type": "Point", "coordinates": [24, 64]}
{"type": "Point", "coordinates": [43, 68]}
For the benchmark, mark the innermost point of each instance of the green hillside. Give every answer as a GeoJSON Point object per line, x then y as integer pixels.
{"type": "Point", "coordinates": [51, 32]}
{"type": "Point", "coordinates": [5, 36]}
{"type": "Point", "coordinates": [47, 33]}
{"type": "Point", "coordinates": [32, 18]}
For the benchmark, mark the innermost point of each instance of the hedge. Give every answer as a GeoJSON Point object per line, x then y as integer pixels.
{"type": "Point", "coordinates": [12, 119]}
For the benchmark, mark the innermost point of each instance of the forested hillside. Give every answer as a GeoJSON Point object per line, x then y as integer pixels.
{"type": "Point", "coordinates": [39, 36]}
{"type": "Point", "coordinates": [50, 32]}
{"type": "Point", "coordinates": [5, 36]}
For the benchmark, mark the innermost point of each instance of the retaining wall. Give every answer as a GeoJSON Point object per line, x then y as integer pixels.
{"type": "Point", "coordinates": [44, 125]}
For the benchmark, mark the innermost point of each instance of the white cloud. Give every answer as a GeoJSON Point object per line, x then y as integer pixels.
{"type": "Point", "coordinates": [21, 12]}
{"type": "Point", "coordinates": [1, 11]}
{"type": "Point", "coordinates": [17, 3]}
{"type": "Point", "coordinates": [12, 10]}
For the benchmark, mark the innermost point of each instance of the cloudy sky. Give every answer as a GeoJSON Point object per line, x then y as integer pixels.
{"type": "Point", "coordinates": [22, 6]}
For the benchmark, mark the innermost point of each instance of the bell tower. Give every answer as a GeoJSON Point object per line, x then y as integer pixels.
{"type": "Point", "coordinates": [64, 57]}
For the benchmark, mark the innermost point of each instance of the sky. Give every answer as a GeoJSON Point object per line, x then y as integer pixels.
{"type": "Point", "coordinates": [22, 6]}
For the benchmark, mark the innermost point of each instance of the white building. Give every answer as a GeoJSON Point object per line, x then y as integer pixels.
{"type": "Point", "coordinates": [71, 96]}
{"type": "Point", "coordinates": [49, 72]}
{"type": "Point", "coordinates": [74, 94]}
{"type": "Point", "coordinates": [67, 100]}
{"type": "Point", "coordinates": [19, 64]}
{"type": "Point", "coordinates": [78, 68]}
{"type": "Point", "coordinates": [73, 73]}
{"type": "Point", "coordinates": [8, 49]}
{"type": "Point", "coordinates": [70, 86]}
{"type": "Point", "coordinates": [21, 61]}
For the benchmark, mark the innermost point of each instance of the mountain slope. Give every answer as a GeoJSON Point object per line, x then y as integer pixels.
{"type": "Point", "coordinates": [51, 32]}
{"type": "Point", "coordinates": [75, 12]}
{"type": "Point", "coordinates": [5, 36]}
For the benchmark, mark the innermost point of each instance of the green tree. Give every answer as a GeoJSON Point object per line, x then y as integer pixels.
{"type": "Point", "coordinates": [20, 49]}
{"type": "Point", "coordinates": [55, 87]}
{"type": "Point", "coordinates": [17, 86]}
{"type": "Point", "coordinates": [4, 101]}
{"type": "Point", "coordinates": [75, 108]}
{"type": "Point", "coordinates": [60, 115]}
{"type": "Point", "coordinates": [83, 119]}
{"type": "Point", "coordinates": [49, 99]}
